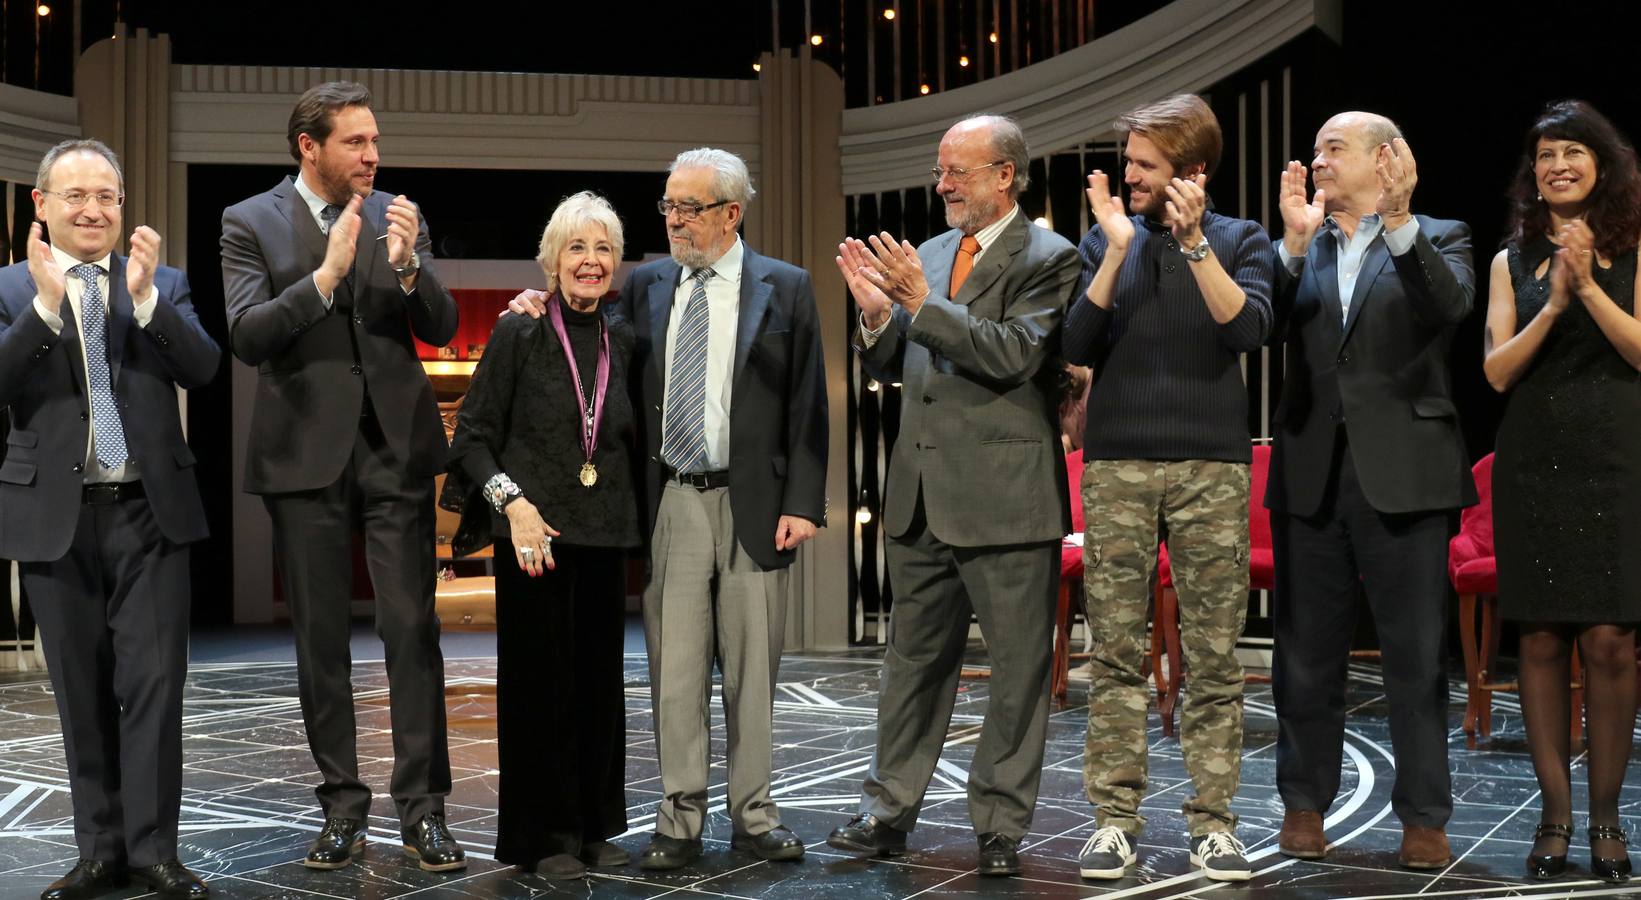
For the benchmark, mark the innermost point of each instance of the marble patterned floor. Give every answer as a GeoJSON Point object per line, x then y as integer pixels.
{"type": "Point", "coordinates": [248, 808]}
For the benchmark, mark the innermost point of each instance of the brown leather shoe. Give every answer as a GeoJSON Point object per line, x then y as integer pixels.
{"type": "Point", "coordinates": [1302, 834]}
{"type": "Point", "coordinates": [1424, 848]}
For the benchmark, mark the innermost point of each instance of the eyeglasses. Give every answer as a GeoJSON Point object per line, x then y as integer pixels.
{"type": "Point", "coordinates": [689, 212]}
{"type": "Point", "coordinates": [959, 174]}
{"type": "Point", "coordinates": [77, 199]}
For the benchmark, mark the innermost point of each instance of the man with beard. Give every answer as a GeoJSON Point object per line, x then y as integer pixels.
{"type": "Point", "coordinates": [976, 499]}
{"type": "Point", "coordinates": [728, 368]}
{"type": "Point", "coordinates": [1174, 294]}
{"type": "Point", "coordinates": [346, 436]}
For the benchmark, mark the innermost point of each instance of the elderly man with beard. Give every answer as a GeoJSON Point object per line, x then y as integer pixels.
{"type": "Point", "coordinates": [1174, 294]}
{"type": "Point", "coordinates": [976, 502]}
{"type": "Point", "coordinates": [728, 372]}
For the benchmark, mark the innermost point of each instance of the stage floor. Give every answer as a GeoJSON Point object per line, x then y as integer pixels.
{"type": "Point", "coordinates": [248, 807]}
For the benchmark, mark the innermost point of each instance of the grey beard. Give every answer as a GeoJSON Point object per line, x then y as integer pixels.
{"type": "Point", "coordinates": [690, 258]}
{"type": "Point", "coordinates": [978, 215]}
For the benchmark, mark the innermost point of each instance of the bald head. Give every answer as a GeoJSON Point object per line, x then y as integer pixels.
{"type": "Point", "coordinates": [1369, 129]}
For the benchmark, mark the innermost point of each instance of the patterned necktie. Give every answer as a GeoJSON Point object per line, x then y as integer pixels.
{"type": "Point", "coordinates": [329, 215]}
{"type": "Point", "coordinates": [685, 444]}
{"type": "Point", "coordinates": [105, 412]}
{"type": "Point", "coordinates": [966, 249]}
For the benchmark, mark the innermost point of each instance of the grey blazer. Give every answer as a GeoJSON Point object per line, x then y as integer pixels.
{"type": "Point", "coordinates": [978, 427]}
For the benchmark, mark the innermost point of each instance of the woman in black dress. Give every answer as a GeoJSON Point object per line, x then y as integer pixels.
{"type": "Point", "coordinates": [1563, 341]}
{"type": "Point", "coordinates": [542, 463]}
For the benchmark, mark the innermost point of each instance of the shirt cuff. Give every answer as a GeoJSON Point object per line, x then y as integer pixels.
{"type": "Point", "coordinates": [870, 336]}
{"type": "Point", "coordinates": [322, 298]}
{"type": "Point", "coordinates": [52, 320]}
{"type": "Point", "coordinates": [143, 312]}
{"type": "Point", "coordinates": [1290, 262]}
{"type": "Point", "coordinates": [1402, 239]}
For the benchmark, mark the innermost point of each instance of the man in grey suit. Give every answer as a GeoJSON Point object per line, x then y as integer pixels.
{"type": "Point", "coordinates": [966, 335]}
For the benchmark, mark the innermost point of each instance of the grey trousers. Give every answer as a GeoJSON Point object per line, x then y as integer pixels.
{"type": "Point", "coordinates": [705, 593]}
{"type": "Point", "coordinates": [1011, 591]}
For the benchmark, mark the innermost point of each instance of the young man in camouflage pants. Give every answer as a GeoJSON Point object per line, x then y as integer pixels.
{"type": "Point", "coordinates": [1174, 294]}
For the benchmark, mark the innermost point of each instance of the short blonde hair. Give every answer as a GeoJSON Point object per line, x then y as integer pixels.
{"type": "Point", "coordinates": [573, 213]}
{"type": "Point", "coordinates": [1182, 127]}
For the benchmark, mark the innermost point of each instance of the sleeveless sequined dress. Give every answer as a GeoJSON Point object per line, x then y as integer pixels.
{"type": "Point", "coordinates": [1567, 475]}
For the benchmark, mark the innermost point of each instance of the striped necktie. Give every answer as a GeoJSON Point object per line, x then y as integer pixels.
{"type": "Point", "coordinates": [684, 444]}
{"type": "Point", "coordinates": [105, 412]}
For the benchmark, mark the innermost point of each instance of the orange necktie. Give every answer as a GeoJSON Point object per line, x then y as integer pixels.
{"type": "Point", "coordinates": [966, 249]}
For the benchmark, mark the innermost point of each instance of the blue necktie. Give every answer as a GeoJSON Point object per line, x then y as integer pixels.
{"type": "Point", "coordinates": [105, 412]}
{"type": "Point", "coordinates": [329, 215]}
{"type": "Point", "coordinates": [685, 444]}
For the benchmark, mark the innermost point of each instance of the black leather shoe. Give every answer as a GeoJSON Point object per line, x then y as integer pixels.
{"type": "Point", "coordinates": [429, 841]}
{"type": "Point", "coordinates": [171, 879]}
{"type": "Point", "coordinates": [602, 853]}
{"type": "Point", "coordinates": [1615, 869]}
{"type": "Point", "coordinates": [776, 843]}
{"type": "Point", "coordinates": [337, 844]}
{"type": "Point", "coordinates": [1544, 866]}
{"type": "Point", "coordinates": [89, 878]}
{"type": "Point", "coordinates": [665, 853]}
{"type": "Point", "coordinates": [867, 833]}
{"type": "Point", "coordinates": [999, 854]}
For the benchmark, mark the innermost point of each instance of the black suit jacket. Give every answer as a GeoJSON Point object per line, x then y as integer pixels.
{"type": "Point", "coordinates": [1382, 373]}
{"type": "Point", "coordinates": [777, 418]}
{"type": "Point", "coordinates": [43, 383]}
{"type": "Point", "coordinates": [310, 390]}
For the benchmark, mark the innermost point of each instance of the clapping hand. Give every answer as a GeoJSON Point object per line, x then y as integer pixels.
{"type": "Point", "coordinates": [864, 283]}
{"type": "Point", "coordinates": [49, 280]}
{"type": "Point", "coordinates": [144, 259]}
{"type": "Point", "coordinates": [403, 223]}
{"type": "Point", "coordinates": [1398, 175]}
{"type": "Point", "coordinates": [1109, 213]}
{"type": "Point", "coordinates": [1577, 254]}
{"type": "Point", "coordinates": [1187, 200]}
{"type": "Point", "coordinates": [1301, 218]}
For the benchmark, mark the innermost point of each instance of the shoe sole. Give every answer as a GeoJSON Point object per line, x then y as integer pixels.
{"type": "Point", "coordinates": [838, 843]}
{"type": "Point", "coordinates": [1424, 865]}
{"type": "Point", "coordinates": [1108, 874]}
{"type": "Point", "coordinates": [1221, 874]}
{"type": "Point", "coordinates": [1302, 854]}
{"type": "Point", "coordinates": [784, 855]}
{"type": "Point", "coordinates": [606, 862]}
{"type": "Point", "coordinates": [426, 866]}
{"type": "Point", "coordinates": [357, 849]}
{"type": "Point", "coordinates": [652, 864]}
{"type": "Point", "coordinates": [998, 871]}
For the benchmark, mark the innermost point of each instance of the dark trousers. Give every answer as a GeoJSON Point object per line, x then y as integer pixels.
{"type": "Point", "coordinates": [561, 712]}
{"type": "Point", "coordinates": [1323, 564]}
{"type": "Point", "coordinates": [113, 614]}
{"type": "Point", "coordinates": [313, 546]}
{"type": "Point", "coordinates": [1011, 591]}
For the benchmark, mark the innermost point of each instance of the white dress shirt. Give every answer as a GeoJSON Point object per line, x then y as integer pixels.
{"type": "Point", "coordinates": [1353, 250]}
{"type": "Point", "coordinates": [142, 313]}
{"type": "Point", "coordinates": [723, 320]}
{"type": "Point", "coordinates": [985, 237]}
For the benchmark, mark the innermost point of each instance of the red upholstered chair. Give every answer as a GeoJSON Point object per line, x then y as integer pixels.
{"type": "Point", "coordinates": [1071, 581]}
{"type": "Point", "coordinates": [1165, 639]}
{"type": "Point", "coordinates": [1472, 567]}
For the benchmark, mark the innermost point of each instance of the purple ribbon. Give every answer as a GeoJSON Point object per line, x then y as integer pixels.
{"type": "Point", "coordinates": [590, 421]}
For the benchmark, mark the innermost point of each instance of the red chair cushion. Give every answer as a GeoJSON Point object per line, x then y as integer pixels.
{"type": "Point", "coordinates": [1470, 563]}
{"type": "Point", "coordinates": [1478, 576]}
{"type": "Point", "coordinates": [1071, 562]}
{"type": "Point", "coordinates": [1074, 477]}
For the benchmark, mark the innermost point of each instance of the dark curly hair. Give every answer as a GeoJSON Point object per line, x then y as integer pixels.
{"type": "Point", "coordinates": [1615, 201]}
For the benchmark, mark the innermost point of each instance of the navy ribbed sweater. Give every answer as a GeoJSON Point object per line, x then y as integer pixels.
{"type": "Point", "coordinates": [1167, 379]}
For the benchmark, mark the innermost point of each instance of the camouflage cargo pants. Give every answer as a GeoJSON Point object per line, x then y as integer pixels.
{"type": "Point", "coordinates": [1203, 507]}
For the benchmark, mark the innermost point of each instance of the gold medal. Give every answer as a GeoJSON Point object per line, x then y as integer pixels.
{"type": "Point", "coordinates": [589, 475]}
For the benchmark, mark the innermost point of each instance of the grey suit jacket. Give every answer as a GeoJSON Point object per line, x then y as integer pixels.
{"type": "Point", "coordinates": [978, 428]}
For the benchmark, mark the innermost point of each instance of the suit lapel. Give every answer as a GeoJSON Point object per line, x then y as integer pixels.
{"type": "Point", "coordinates": [661, 292]}
{"type": "Point", "coordinates": [937, 268]}
{"type": "Point", "coordinates": [69, 338]}
{"type": "Point", "coordinates": [119, 315]}
{"type": "Point", "coordinates": [365, 257]}
{"type": "Point", "coordinates": [993, 260]}
{"type": "Point", "coordinates": [1373, 261]}
{"type": "Point", "coordinates": [755, 293]}
{"type": "Point", "coordinates": [305, 231]}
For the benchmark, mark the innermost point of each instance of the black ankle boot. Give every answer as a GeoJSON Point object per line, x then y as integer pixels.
{"type": "Point", "coordinates": [1545, 865]}
{"type": "Point", "coordinates": [1614, 869]}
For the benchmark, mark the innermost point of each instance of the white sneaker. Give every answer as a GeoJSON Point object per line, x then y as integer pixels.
{"type": "Point", "coordinates": [1221, 856]}
{"type": "Point", "coordinates": [1108, 852]}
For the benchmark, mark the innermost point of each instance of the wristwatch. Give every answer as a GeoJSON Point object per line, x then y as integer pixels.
{"type": "Point", "coordinates": [1197, 253]}
{"type": "Point", "coordinates": [409, 268]}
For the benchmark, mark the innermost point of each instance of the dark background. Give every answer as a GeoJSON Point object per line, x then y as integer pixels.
{"type": "Point", "coordinates": [1464, 81]}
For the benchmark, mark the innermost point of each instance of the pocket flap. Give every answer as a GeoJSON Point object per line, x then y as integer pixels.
{"type": "Point", "coordinates": [183, 455]}
{"type": "Point", "coordinates": [16, 471]}
{"type": "Point", "coordinates": [20, 438]}
{"type": "Point", "coordinates": [1434, 408]}
{"type": "Point", "coordinates": [779, 465]}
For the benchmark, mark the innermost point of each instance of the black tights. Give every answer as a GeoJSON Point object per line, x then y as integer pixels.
{"type": "Point", "coordinates": [1608, 653]}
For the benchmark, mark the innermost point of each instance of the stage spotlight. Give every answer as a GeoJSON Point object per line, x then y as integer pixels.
{"type": "Point", "coordinates": [963, 61]}
{"type": "Point", "coordinates": [42, 10]}
{"type": "Point", "coordinates": [922, 89]}
{"type": "Point", "coordinates": [863, 515]}
{"type": "Point", "coordinates": [757, 67]}
{"type": "Point", "coordinates": [993, 37]}
{"type": "Point", "coordinates": [815, 40]}
{"type": "Point", "coordinates": [889, 14]}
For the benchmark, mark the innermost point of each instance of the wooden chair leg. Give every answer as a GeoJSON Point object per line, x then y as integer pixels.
{"type": "Point", "coordinates": [1176, 657]}
{"type": "Point", "coordinates": [1576, 706]}
{"type": "Point", "coordinates": [1490, 624]}
{"type": "Point", "coordinates": [1472, 666]}
{"type": "Point", "coordinates": [1159, 643]}
{"type": "Point", "coordinates": [1059, 681]}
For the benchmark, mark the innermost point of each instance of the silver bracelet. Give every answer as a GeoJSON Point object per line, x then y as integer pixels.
{"type": "Point", "coordinates": [500, 490]}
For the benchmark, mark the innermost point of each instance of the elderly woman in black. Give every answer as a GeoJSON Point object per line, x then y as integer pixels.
{"type": "Point", "coordinates": [541, 464]}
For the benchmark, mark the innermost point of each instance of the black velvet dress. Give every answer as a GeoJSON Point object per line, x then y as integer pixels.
{"type": "Point", "coordinates": [1567, 475]}
{"type": "Point", "coordinates": [560, 701]}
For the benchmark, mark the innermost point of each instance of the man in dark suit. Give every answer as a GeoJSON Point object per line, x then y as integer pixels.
{"type": "Point", "coordinates": [1367, 469]}
{"type": "Point", "coordinates": [729, 375]}
{"type": "Point", "coordinates": [326, 281]}
{"type": "Point", "coordinates": [98, 502]}
{"type": "Point", "coordinates": [976, 501]}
